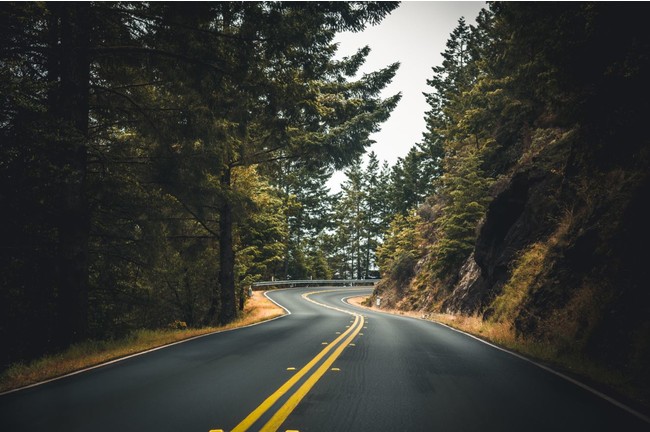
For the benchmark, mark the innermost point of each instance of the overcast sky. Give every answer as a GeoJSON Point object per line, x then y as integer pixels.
{"type": "Point", "coordinates": [414, 34]}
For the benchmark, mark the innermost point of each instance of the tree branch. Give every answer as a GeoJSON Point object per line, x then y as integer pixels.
{"type": "Point", "coordinates": [155, 52]}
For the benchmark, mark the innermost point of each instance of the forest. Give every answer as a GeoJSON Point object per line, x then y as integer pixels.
{"type": "Point", "coordinates": [157, 158]}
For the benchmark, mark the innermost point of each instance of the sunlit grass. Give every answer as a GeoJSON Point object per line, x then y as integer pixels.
{"type": "Point", "coordinates": [91, 353]}
{"type": "Point", "coordinates": [527, 268]}
{"type": "Point", "coordinates": [503, 335]}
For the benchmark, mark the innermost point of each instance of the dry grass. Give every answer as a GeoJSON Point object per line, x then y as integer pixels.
{"type": "Point", "coordinates": [503, 334]}
{"type": "Point", "coordinates": [498, 333]}
{"type": "Point", "coordinates": [92, 353]}
{"type": "Point", "coordinates": [526, 270]}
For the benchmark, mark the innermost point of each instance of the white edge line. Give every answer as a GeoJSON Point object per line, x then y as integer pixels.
{"type": "Point", "coordinates": [344, 301]}
{"type": "Point", "coordinates": [554, 372]}
{"type": "Point", "coordinates": [307, 295]}
{"type": "Point", "coordinates": [288, 312]}
{"type": "Point", "coordinates": [117, 360]}
{"type": "Point", "coordinates": [521, 357]}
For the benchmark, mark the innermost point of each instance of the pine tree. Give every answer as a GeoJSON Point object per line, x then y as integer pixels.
{"type": "Point", "coordinates": [125, 128]}
{"type": "Point", "coordinates": [372, 204]}
{"type": "Point", "coordinates": [309, 218]}
{"type": "Point", "coordinates": [275, 100]}
{"type": "Point", "coordinates": [446, 170]}
{"type": "Point", "coordinates": [352, 213]}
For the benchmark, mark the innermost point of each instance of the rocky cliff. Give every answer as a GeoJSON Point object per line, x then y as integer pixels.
{"type": "Point", "coordinates": [560, 258]}
{"type": "Point", "coordinates": [562, 254]}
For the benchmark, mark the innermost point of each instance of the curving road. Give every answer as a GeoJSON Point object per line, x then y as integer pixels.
{"type": "Point", "coordinates": [327, 366]}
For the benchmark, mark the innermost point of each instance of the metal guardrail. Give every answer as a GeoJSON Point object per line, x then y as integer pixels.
{"type": "Point", "coordinates": [315, 282]}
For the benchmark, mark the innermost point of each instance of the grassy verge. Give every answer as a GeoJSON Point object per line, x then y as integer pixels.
{"type": "Point", "coordinates": [92, 353]}
{"type": "Point", "coordinates": [502, 334]}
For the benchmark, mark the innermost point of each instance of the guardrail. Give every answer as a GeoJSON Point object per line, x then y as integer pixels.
{"type": "Point", "coordinates": [315, 282]}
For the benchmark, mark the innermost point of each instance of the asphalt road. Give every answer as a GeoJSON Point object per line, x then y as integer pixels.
{"type": "Point", "coordinates": [334, 368]}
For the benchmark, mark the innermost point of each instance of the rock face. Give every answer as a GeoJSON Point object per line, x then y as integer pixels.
{"type": "Point", "coordinates": [523, 211]}
{"type": "Point", "coordinates": [603, 265]}
{"type": "Point", "coordinates": [525, 208]}
{"type": "Point", "coordinates": [592, 291]}
{"type": "Point", "coordinates": [561, 254]}
{"type": "Point", "coordinates": [468, 293]}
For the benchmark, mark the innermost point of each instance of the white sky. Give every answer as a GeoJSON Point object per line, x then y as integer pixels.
{"type": "Point", "coordinates": [414, 34]}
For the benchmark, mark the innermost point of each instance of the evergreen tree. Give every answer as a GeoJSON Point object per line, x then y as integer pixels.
{"type": "Point", "coordinates": [260, 236]}
{"type": "Point", "coordinates": [372, 205]}
{"type": "Point", "coordinates": [447, 169]}
{"type": "Point", "coordinates": [352, 214]}
{"type": "Point", "coordinates": [384, 196]}
{"type": "Point", "coordinates": [276, 100]}
{"type": "Point", "coordinates": [126, 128]}
{"type": "Point", "coordinates": [308, 214]}
{"type": "Point", "coordinates": [328, 120]}
{"type": "Point", "coordinates": [399, 252]}
{"type": "Point", "coordinates": [412, 180]}
{"type": "Point", "coordinates": [450, 79]}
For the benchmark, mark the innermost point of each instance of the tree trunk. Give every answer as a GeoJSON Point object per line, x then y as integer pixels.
{"type": "Point", "coordinates": [69, 108]}
{"type": "Point", "coordinates": [226, 257]}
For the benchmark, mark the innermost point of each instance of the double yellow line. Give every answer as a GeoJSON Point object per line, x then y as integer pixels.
{"type": "Point", "coordinates": [337, 347]}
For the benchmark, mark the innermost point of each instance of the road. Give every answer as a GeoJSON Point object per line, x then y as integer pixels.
{"type": "Point", "coordinates": [327, 366]}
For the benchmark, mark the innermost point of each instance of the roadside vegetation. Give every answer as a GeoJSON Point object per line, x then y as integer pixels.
{"type": "Point", "coordinates": [91, 353]}
{"type": "Point", "coordinates": [535, 229]}
{"type": "Point", "coordinates": [503, 335]}
{"type": "Point", "coordinates": [158, 158]}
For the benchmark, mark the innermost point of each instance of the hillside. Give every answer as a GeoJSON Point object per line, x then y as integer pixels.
{"type": "Point", "coordinates": [539, 221]}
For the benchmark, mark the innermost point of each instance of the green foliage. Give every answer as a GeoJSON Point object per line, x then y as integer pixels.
{"type": "Point", "coordinates": [525, 270]}
{"type": "Point", "coordinates": [138, 144]}
{"type": "Point", "coordinates": [542, 106]}
{"type": "Point", "coordinates": [412, 179]}
{"type": "Point", "coordinates": [400, 250]}
{"type": "Point", "coordinates": [362, 213]}
{"type": "Point", "coordinates": [464, 190]}
{"type": "Point", "coordinates": [449, 165]}
{"type": "Point", "coordinates": [260, 235]}
{"type": "Point", "coordinates": [307, 213]}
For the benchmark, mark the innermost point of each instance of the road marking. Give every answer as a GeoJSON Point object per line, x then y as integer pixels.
{"type": "Point", "coordinates": [335, 370]}
{"type": "Point", "coordinates": [141, 353]}
{"type": "Point", "coordinates": [597, 393]}
{"type": "Point", "coordinates": [291, 368]}
{"type": "Point", "coordinates": [281, 415]}
{"type": "Point", "coordinates": [271, 400]}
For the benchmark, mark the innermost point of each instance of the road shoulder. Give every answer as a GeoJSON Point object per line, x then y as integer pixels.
{"type": "Point", "coordinates": [94, 354]}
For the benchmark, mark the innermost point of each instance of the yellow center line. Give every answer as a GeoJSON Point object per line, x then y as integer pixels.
{"type": "Point", "coordinates": [281, 415]}
{"type": "Point", "coordinates": [268, 403]}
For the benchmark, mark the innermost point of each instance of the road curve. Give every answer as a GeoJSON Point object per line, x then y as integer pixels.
{"type": "Point", "coordinates": [327, 366]}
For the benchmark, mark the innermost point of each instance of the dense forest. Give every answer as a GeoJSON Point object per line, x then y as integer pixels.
{"type": "Point", "coordinates": [536, 214]}
{"type": "Point", "coordinates": [158, 157]}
